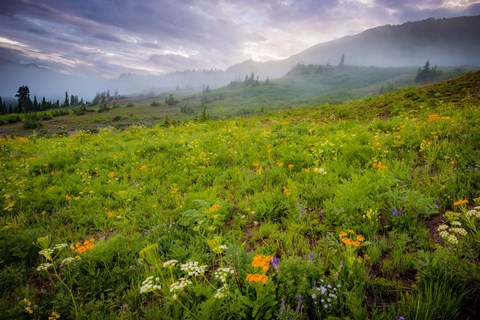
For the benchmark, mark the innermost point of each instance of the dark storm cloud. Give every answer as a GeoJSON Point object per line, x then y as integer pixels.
{"type": "Point", "coordinates": [110, 37]}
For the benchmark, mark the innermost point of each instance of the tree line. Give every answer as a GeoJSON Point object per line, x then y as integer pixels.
{"type": "Point", "coordinates": [26, 105]}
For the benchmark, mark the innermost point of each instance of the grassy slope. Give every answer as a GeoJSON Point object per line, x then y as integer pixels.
{"type": "Point", "coordinates": [295, 90]}
{"type": "Point", "coordinates": [251, 183]}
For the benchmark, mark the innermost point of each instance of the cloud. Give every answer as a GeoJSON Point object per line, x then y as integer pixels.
{"type": "Point", "coordinates": [150, 36]}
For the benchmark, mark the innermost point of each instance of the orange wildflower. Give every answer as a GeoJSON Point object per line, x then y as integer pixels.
{"type": "Point", "coordinates": [351, 231]}
{"type": "Point", "coordinates": [262, 262]}
{"type": "Point", "coordinates": [143, 167]}
{"type": "Point", "coordinates": [110, 214]}
{"type": "Point", "coordinates": [83, 247]}
{"type": "Point", "coordinates": [460, 202]}
{"type": "Point", "coordinates": [290, 166]}
{"type": "Point", "coordinates": [68, 197]}
{"type": "Point", "coordinates": [342, 234]}
{"type": "Point", "coordinates": [256, 278]}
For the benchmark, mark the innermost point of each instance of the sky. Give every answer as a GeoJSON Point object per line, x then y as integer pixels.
{"type": "Point", "coordinates": [111, 37]}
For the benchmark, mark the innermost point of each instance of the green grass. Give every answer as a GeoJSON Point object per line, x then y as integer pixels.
{"type": "Point", "coordinates": [281, 185]}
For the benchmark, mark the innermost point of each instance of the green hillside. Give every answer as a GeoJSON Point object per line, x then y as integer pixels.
{"type": "Point", "coordinates": [363, 210]}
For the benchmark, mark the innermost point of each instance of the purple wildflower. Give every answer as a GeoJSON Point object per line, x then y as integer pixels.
{"type": "Point", "coordinates": [394, 211]}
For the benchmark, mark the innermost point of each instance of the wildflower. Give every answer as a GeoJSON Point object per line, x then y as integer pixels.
{"type": "Point", "coordinates": [438, 203]}
{"type": "Point", "coordinates": [452, 239]}
{"type": "Point", "coordinates": [275, 262]}
{"type": "Point", "coordinates": [192, 269]}
{"type": "Point", "coordinates": [54, 316]}
{"type": "Point", "coordinates": [221, 293]}
{"type": "Point", "coordinates": [68, 197]}
{"type": "Point", "coordinates": [351, 231]}
{"type": "Point", "coordinates": [442, 227]}
{"type": "Point", "coordinates": [360, 238]}
{"type": "Point", "coordinates": [222, 273]}
{"type": "Point", "coordinates": [68, 261]}
{"type": "Point", "coordinates": [290, 166]}
{"type": "Point", "coordinates": [312, 255]}
{"type": "Point", "coordinates": [287, 192]}
{"type": "Point", "coordinates": [148, 285]}
{"type": "Point", "coordinates": [83, 247]}
{"type": "Point", "coordinates": [394, 211]}
{"type": "Point", "coordinates": [401, 318]}
{"type": "Point", "coordinates": [181, 284]}
{"type": "Point", "coordinates": [47, 253]}
{"type": "Point", "coordinates": [342, 234]}
{"type": "Point", "coordinates": [256, 278]}
{"type": "Point", "coordinates": [320, 171]}
{"type": "Point", "coordinates": [143, 167]}
{"type": "Point", "coordinates": [110, 214]}
{"type": "Point", "coordinates": [44, 266]}
{"type": "Point", "coordinates": [262, 262]}
{"type": "Point", "coordinates": [460, 202]}
{"type": "Point", "coordinates": [214, 208]}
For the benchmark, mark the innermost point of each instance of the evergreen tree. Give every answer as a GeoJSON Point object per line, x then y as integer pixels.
{"type": "Point", "coordinates": [43, 106]}
{"type": "Point", "coordinates": [66, 102]}
{"type": "Point", "coordinates": [35, 104]}
{"type": "Point", "coordinates": [23, 98]}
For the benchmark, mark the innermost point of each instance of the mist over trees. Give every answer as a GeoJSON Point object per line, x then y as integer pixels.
{"type": "Point", "coordinates": [427, 73]}
{"type": "Point", "coordinates": [24, 103]}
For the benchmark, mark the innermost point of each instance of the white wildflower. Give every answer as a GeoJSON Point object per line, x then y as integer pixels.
{"type": "Point", "coordinates": [192, 269]}
{"type": "Point", "coordinates": [459, 231]}
{"type": "Point", "coordinates": [444, 234]}
{"type": "Point", "coordinates": [221, 293]}
{"type": "Point", "coordinates": [60, 246]}
{"type": "Point", "coordinates": [170, 263]}
{"type": "Point", "coordinates": [149, 285]}
{"type": "Point", "coordinates": [222, 273]}
{"type": "Point", "coordinates": [47, 253]}
{"type": "Point", "coordinates": [44, 266]}
{"type": "Point", "coordinates": [452, 239]}
{"type": "Point", "coordinates": [442, 227]}
{"type": "Point", "coordinates": [180, 285]}
{"type": "Point", "coordinates": [456, 223]}
{"type": "Point", "coordinates": [68, 260]}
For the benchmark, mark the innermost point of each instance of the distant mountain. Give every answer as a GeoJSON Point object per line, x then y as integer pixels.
{"type": "Point", "coordinates": [445, 42]}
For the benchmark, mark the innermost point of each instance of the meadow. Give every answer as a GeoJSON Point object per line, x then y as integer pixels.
{"type": "Point", "coordinates": [368, 209]}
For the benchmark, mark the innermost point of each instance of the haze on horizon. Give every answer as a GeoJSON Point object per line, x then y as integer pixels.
{"type": "Point", "coordinates": [108, 38]}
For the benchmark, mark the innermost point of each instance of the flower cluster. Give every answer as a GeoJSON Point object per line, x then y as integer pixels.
{"type": "Point", "coordinates": [460, 202]}
{"type": "Point", "coordinates": [221, 292]}
{"type": "Point", "coordinates": [27, 305]}
{"type": "Point", "coordinates": [262, 262]}
{"type": "Point", "coordinates": [380, 166]}
{"type": "Point", "coordinates": [257, 277]}
{"type": "Point", "coordinates": [192, 269]}
{"type": "Point", "coordinates": [451, 233]}
{"type": "Point", "coordinates": [350, 239]}
{"type": "Point", "coordinates": [83, 247]}
{"type": "Point", "coordinates": [149, 285]}
{"type": "Point", "coordinates": [325, 295]}
{"type": "Point", "coordinates": [475, 213]}
{"type": "Point", "coordinates": [371, 215]}
{"type": "Point", "coordinates": [222, 273]}
{"type": "Point", "coordinates": [178, 286]}
{"type": "Point", "coordinates": [435, 117]}
{"type": "Point", "coordinates": [170, 263]}
{"type": "Point", "coordinates": [54, 316]}
{"type": "Point", "coordinates": [317, 171]}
